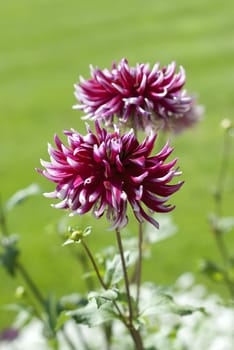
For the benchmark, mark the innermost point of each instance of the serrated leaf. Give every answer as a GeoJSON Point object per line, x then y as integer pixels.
{"type": "Point", "coordinates": [93, 316]}
{"type": "Point", "coordinates": [114, 269]}
{"type": "Point", "coordinates": [104, 296]}
{"type": "Point", "coordinates": [160, 302]}
{"type": "Point", "coordinates": [188, 310]}
{"type": "Point", "coordinates": [123, 299]}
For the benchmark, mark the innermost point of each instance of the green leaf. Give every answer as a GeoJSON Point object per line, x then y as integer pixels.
{"type": "Point", "coordinates": [21, 195]}
{"type": "Point", "coordinates": [104, 296]}
{"type": "Point", "coordinates": [92, 315]}
{"type": "Point", "coordinates": [61, 320]}
{"type": "Point", "coordinates": [159, 301]}
{"type": "Point", "coordinates": [72, 302]}
{"type": "Point", "coordinates": [10, 253]}
{"type": "Point", "coordinates": [68, 303]}
{"type": "Point", "coordinates": [114, 269]}
{"type": "Point", "coordinates": [52, 311]}
{"type": "Point", "coordinates": [188, 310]}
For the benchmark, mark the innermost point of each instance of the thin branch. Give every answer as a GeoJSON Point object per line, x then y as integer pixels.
{"type": "Point", "coordinates": [126, 281]}
{"type": "Point", "coordinates": [30, 284]}
{"type": "Point", "coordinates": [225, 256]}
{"type": "Point", "coordinates": [3, 220]}
{"type": "Point", "coordinates": [139, 263]}
{"type": "Point", "coordinates": [133, 331]}
{"type": "Point", "coordinates": [222, 173]}
{"type": "Point", "coordinates": [219, 203]}
{"type": "Point", "coordinates": [103, 284]}
{"type": "Point", "coordinates": [94, 265]}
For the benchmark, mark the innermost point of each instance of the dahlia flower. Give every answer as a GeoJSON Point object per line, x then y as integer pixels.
{"type": "Point", "coordinates": [104, 172]}
{"type": "Point", "coordinates": [140, 97]}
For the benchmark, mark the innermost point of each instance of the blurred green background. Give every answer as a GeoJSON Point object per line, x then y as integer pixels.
{"type": "Point", "coordinates": [45, 46]}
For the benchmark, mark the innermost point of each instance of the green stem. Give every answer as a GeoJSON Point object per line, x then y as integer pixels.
{"type": "Point", "coordinates": [126, 281]}
{"type": "Point", "coordinates": [139, 263]}
{"type": "Point", "coordinates": [103, 284]}
{"type": "Point", "coordinates": [219, 202]}
{"type": "Point", "coordinates": [28, 280]}
{"type": "Point", "coordinates": [94, 265]}
{"type": "Point", "coordinates": [108, 335]}
{"type": "Point", "coordinates": [3, 220]}
{"type": "Point", "coordinates": [19, 266]}
{"type": "Point", "coordinates": [128, 323]}
{"type": "Point", "coordinates": [133, 331]}
{"type": "Point", "coordinates": [136, 338]}
{"type": "Point", "coordinates": [82, 257]}
{"type": "Point", "coordinates": [31, 284]}
{"type": "Point", "coordinates": [85, 265]}
{"type": "Point", "coordinates": [225, 256]}
{"type": "Point", "coordinates": [222, 173]}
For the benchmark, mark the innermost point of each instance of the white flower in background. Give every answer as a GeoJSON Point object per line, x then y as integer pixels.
{"type": "Point", "coordinates": [212, 330]}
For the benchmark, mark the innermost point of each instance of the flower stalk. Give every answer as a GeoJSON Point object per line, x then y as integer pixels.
{"type": "Point", "coordinates": [19, 266]}
{"type": "Point", "coordinates": [225, 157]}
{"type": "Point", "coordinates": [133, 331]}
{"type": "Point", "coordinates": [126, 280]}
{"type": "Point", "coordinates": [128, 322]}
{"type": "Point", "coordinates": [218, 234]}
{"type": "Point", "coordinates": [100, 279]}
{"type": "Point", "coordinates": [93, 262]}
{"type": "Point", "coordinates": [3, 222]}
{"type": "Point", "coordinates": [30, 283]}
{"type": "Point", "coordinates": [139, 262]}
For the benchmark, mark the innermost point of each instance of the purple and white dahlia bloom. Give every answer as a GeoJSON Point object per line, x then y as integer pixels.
{"type": "Point", "coordinates": [104, 172]}
{"type": "Point", "coordinates": [140, 97]}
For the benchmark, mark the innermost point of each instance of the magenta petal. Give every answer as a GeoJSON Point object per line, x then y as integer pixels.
{"type": "Point", "coordinates": [138, 96]}
{"type": "Point", "coordinates": [104, 172]}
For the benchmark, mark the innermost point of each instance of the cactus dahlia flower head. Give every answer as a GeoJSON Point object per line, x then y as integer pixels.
{"type": "Point", "coordinates": [105, 172]}
{"type": "Point", "coordinates": [140, 97]}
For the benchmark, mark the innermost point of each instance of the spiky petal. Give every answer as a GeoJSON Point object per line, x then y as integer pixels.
{"type": "Point", "coordinates": [140, 97]}
{"type": "Point", "coordinates": [105, 172]}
